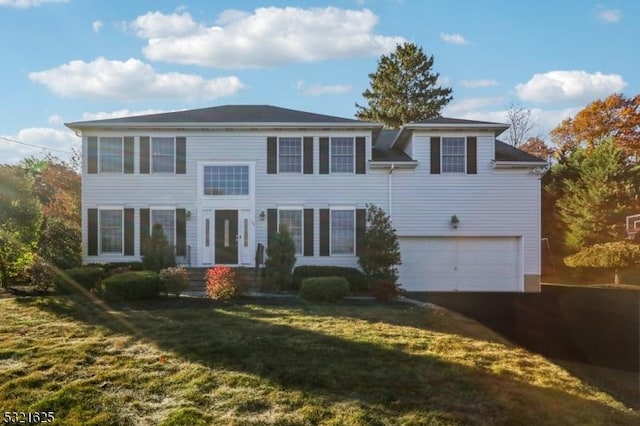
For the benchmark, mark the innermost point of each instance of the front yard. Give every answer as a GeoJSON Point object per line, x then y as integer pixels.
{"type": "Point", "coordinates": [192, 361]}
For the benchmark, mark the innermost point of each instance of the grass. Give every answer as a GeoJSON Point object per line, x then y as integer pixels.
{"type": "Point", "coordinates": [182, 361]}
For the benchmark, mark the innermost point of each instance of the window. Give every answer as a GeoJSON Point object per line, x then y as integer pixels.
{"type": "Point", "coordinates": [111, 155]}
{"type": "Point", "coordinates": [166, 218]}
{"type": "Point", "coordinates": [111, 231]}
{"type": "Point", "coordinates": [342, 231]}
{"type": "Point", "coordinates": [453, 156]}
{"type": "Point", "coordinates": [226, 180]}
{"type": "Point", "coordinates": [342, 156]}
{"type": "Point", "coordinates": [162, 155]}
{"type": "Point", "coordinates": [293, 220]}
{"type": "Point", "coordinates": [290, 155]}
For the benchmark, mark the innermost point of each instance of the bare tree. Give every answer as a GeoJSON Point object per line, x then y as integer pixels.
{"type": "Point", "coordinates": [521, 124]}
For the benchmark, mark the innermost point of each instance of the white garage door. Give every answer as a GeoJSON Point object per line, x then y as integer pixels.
{"type": "Point", "coordinates": [461, 264]}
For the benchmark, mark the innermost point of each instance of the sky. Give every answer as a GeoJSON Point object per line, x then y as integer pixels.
{"type": "Point", "coordinates": [74, 60]}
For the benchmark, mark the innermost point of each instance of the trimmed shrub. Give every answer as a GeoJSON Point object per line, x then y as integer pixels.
{"type": "Point", "coordinates": [353, 275]}
{"type": "Point", "coordinates": [324, 289]}
{"type": "Point", "coordinates": [222, 283]}
{"type": "Point", "coordinates": [87, 277]}
{"type": "Point", "coordinates": [158, 254]}
{"type": "Point", "coordinates": [133, 285]}
{"type": "Point", "coordinates": [174, 280]}
{"type": "Point", "coordinates": [112, 267]}
{"type": "Point", "coordinates": [281, 258]}
{"type": "Point", "coordinates": [380, 250]}
{"type": "Point", "coordinates": [384, 290]}
{"type": "Point", "coordinates": [42, 274]}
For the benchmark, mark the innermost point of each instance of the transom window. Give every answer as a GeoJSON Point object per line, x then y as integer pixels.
{"type": "Point", "coordinates": [166, 219]}
{"type": "Point", "coordinates": [163, 155]}
{"type": "Point", "coordinates": [290, 155]}
{"type": "Point", "coordinates": [342, 231]}
{"type": "Point", "coordinates": [342, 155]}
{"type": "Point", "coordinates": [453, 155]}
{"type": "Point", "coordinates": [111, 231]}
{"type": "Point", "coordinates": [111, 155]}
{"type": "Point", "coordinates": [293, 220]}
{"type": "Point", "coordinates": [226, 180]}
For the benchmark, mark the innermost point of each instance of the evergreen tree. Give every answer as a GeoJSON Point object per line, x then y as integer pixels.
{"type": "Point", "coordinates": [158, 254]}
{"type": "Point", "coordinates": [281, 259]}
{"type": "Point", "coordinates": [403, 89]}
{"type": "Point", "coordinates": [380, 251]}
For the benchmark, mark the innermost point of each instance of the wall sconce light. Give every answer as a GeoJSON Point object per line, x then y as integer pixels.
{"type": "Point", "coordinates": [188, 215]}
{"type": "Point", "coordinates": [454, 221]}
{"type": "Point", "coordinates": [262, 216]}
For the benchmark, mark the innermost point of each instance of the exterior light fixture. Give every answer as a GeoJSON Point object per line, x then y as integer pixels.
{"type": "Point", "coordinates": [262, 216]}
{"type": "Point", "coordinates": [454, 221]}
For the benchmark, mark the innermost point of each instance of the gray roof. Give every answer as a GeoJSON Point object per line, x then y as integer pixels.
{"type": "Point", "coordinates": [381, 150]}
{"type": "Point", "coordinates": [506, 152]}
{"type": "Point", "coordinates": [229, 114]}
{"type": "Point", "coordinates": [385, 137]}
{"type": "Point", "coordinates": [448, 120]}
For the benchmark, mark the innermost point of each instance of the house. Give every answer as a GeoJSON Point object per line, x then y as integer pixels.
{"type": "Point", "coordinates": [466, 207]}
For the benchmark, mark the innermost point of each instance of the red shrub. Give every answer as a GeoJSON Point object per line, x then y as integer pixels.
{"type": "Point", "coordinates": [384, 290]}
{"type": "Point", "coordinates": [222, 284]}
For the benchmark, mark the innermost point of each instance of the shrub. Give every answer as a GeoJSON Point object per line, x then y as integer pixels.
{"type": "Point", "coordinates": [281, 258]}
{"type": "Point", "coordinates": [119, 266]}
{"type": "Point", "coordinates": [132, 286]}
{"type": "Point", "coordinates": [174, 280]}
{"type": "Point", "coordinates": [384, 290]}
{"type": "Point", "coordinates": [61, 243]}
{"type": "Point", "coordinates": [87, 277]}
{"type": "Point", "coordinates": [42, 274]}
{"type": "Point", "coordinates": [380, 251]}
{"type": "Point", "coordinates": [158, 254]}
{"type": "Point", "coordinates": [615, 255]}
{"type": "Point", "coordinates": [324, 289]}
{"type": "Point", "coordinates": [221, 283]}
{"type": "Point", "coordinates": [354, 276]}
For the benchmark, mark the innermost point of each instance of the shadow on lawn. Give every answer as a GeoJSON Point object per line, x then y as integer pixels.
{"type": "Point", "coordinates": [383, 380]}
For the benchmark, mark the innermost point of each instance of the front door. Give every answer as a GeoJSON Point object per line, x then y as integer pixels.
{"type": "Point", "coordinates": [226, 237]}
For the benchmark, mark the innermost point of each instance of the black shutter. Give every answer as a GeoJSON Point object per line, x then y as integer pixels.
{"type": "Point", "coordinates": [128, 232]}
{"type": "Point", "coordinates": [308, 156]}
{"type": "Point", "coordinates": [144, 154]}
{"type": "Point", "coordinates": [272, 224]}
{"type": "Point", "coordinates": [472, 155]}
{"type": "Point", "coordinates": [272, 155]}
{"type": "Point", "coordinates": [324, 232]}
{"type": "Point", "coordinates": [92, 154]}
{"type": "Point", "coordinates": [324, 156]}
{"type": "Point", "coordinates": [92, 234]}
{"type": "Point", "coordinates": [145, 219]}
{"type": "Point", "coordinates": [360, 156]}
{"type": "Point", "coordinates": [361, 224]}
{"type": "Point", "coordinates": [181, 157]}
{"type": "Point", "coordinates": [181, 232]}
{"type": "Point", "coordinates": [308, 232]}
{"type": "Point", "coordinates": [128, 154]}
{"type": "Point", "coordinates": [435, 155]}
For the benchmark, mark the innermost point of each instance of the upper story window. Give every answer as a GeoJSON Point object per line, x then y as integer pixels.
{"type": "Point", "coordinates": [166, 219]}
{"type": "Point", "coordinates": [111, 233]}
{"type": "Point", "coordinates": [111, 155]}
{"type": "Point", "coordinates": [226, 180]}
{"type": "Point", "coordinates": [293, 220]}
{"type": "Point", "coordinates": [290, 155]}
{"type": "Point", "coordinates": [342, 155]}
{"type": "Point", "coordinates": [343, 231]}
{"type": "Point", "coordinates": [453, 155]}
{"type": "Point", "coordinates": [163, 155]}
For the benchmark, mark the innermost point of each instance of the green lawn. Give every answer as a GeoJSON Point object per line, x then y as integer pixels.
{"type": "Point", "coordinates": [190, 361]}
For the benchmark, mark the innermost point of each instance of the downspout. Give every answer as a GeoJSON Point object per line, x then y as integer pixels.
{"type": "Point", "coordinates": [389, 192]}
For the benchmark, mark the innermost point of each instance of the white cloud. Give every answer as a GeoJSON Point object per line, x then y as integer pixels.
{"type": "Point", "coordinates": [24, 4]}
{"type": "Point", "coordinates": [131, 80]}
{"type": "Point", "coordinates": [58, 140]}
{"type": "Point", "coordinates": [97, 26]}
{"type": "Point", "coordinates": [559, 86]}
{"type": "Point", "coordinates": [478, 83]}
{"type": "Point", "coordinates": [120, 113]}
{"type": "Point", "coordinates": [453, 38]}
{"type": "Point", "coordinates": [320, 89]}
{"type": "Point", "coordinates": [460, 107]}
{"type": "Point", "coordinates": [56, 120]}
{"type": "Point", "coordinates": [266, 37]}
{"type": "Point", "coordinates": [609, 16]}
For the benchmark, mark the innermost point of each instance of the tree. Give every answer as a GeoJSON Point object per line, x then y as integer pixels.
{"type": "Point", "coordinates": [380, 251]}
{"type": "Point", "coordinates": [403, 89]}
{"type": "Point", "coordinates": [616, 117]}
{"type": "Point", "coordinates": [158, 254]}
{"type": "Point", "coordinates": [519, 119]}
{"type": "Point", "coordinates": [594, 205]}
{"type": "Point", "coordinates": [615, 255]}
{"type": "Point", "coordinates": [281, 259]}
{"type": "Point", "coordinates": [536, 146]}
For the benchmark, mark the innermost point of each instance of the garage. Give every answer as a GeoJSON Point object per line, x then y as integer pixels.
{"type": "Point", "coordinates": [461, 264]}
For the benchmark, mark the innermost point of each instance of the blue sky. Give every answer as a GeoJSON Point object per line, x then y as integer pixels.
{"type": "Point", "coordinates": [71, 60]}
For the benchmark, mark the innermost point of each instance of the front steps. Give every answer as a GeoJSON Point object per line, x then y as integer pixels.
{"type": "Point", "coordinates": [197, 277]}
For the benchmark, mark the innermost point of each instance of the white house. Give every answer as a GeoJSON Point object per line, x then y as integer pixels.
{"type": "Point", "coordinates": [466, 207]}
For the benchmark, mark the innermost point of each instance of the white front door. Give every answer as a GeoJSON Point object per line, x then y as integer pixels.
{"type": "Point", "coordinates": [245, 246]}
{"type": "Point", "coordinates": [208, 237]}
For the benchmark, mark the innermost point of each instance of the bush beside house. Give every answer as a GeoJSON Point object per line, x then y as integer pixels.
{"type": "Point", "coordinates": [324, 289]}
{"type": "Point", "coordinates": [281, 257]}
{"type": "Point", "coordinates": [352, 275]}
{"type": "Point", "coordinates": [134, 285]}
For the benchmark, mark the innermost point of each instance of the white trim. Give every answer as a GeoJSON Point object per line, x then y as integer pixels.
{"type": "Point", "coordinates": [293, 208]}
{"type": "Point", "coordinates": [500, 164]}
{"type": "Point", "coordinates": [393, 164]}
{"type": "Point", "coordinates": [250, 196]}
{"type": "Point", "coordinates": [151, 138]}
{"type": "Point", "coordinates": [353, 165]}
{"type": "Point", "coordinates": [163, 208]}
{"type": "Point", "coordinates": [258, 125]}
{"type": "Point", "coordinates": [110, 253]}
{"type": "Point", "coordinates": [464, 159]}
{"type": "Point", "coordinates": [342, 208]}
{"type": "Point", "coordinates": [121, 172]}
{"type": "Point", "coordinates": [301, 155]}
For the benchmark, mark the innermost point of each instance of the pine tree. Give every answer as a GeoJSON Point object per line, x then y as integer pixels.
{"type": "Point", "coordinates": [280, 261]}
{"type": "Point", "coordinates": [380, 251]}
{"type": "Point", "coordinates": [158, 254]}
{"type": "Point", "coordinates": [403, 89]}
